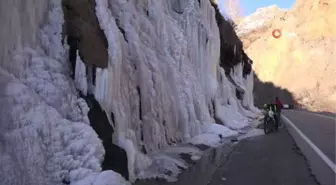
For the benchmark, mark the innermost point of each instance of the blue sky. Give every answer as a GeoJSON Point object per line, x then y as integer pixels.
{"type": "Point", "coordinates": [250, 6]}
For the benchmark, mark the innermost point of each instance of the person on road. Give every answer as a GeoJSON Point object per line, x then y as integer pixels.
{"type": "Point", "coordinates": [279, 107]}
{"type": "Point", "coordinates": [278, 104]}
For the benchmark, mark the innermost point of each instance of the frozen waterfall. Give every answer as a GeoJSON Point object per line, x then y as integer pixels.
{"type": "Point", "coordinates": [162, 76]}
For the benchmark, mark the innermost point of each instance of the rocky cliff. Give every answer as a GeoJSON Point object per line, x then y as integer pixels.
{"type": "Point", "coordinates": [302, 59]}
{"type": "Point", "coordinates": [95, 87]}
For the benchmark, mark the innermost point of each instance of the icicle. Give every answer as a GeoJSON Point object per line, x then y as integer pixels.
{"type": "Point", "coordinates": [102, 86]}
{"type": "Point", "coordinates": [90, 78]}
{"type": "Point", "coordinates": [250, 102]}
{"type": "Point", "coordinates": [80, 76]}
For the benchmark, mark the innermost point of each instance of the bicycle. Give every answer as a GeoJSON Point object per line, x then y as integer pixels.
{"type": "Point", "coordinates": [270, 124]}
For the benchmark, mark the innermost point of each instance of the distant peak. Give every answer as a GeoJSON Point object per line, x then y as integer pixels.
{"type": "Point", "coordinates": [266, 8]}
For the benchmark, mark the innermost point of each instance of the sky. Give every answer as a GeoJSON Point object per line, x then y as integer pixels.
{"type": "Point", "coordinates": [250, 6]}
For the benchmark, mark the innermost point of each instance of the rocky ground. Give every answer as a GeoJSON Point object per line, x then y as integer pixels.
{"type": "Point", "coordinates": [301, 61]}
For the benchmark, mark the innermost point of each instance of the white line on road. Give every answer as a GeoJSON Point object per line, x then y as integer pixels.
{"type": "Point", "coordinates": [314, 147]}
{"type": "Point", "coordinates": [323, 116]}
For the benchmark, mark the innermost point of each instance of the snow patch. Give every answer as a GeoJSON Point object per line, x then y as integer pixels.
{"type": "Point", "coordinates": [164, 166]}
{"type": "Point", "coordinates": [212, 140]}
{"type": "Point", "coordinates": [252, 133]}
{"type": "Point", "coordinates": [195, 158]}
{"type": "Point", "coordinates": [108, 177]}
{"type": "Point", "coordinates": [213, 136]}
{"type": "Point", "coordinates": [189, 149]}
{"type": "Point", "coordinates": [219, 130]}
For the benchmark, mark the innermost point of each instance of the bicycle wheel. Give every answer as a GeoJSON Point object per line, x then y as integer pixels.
{"type": "Point", "coordinates": [267, 126]}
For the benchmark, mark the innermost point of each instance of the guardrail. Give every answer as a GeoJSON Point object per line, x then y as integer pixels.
{"type": "Point", "coordinates": [322, 167]}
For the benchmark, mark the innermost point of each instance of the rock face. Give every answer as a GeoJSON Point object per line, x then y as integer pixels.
{"type": "Point", "coordinates": [302, 59]}
{"type": "Point", "coordinates": [82, 27]}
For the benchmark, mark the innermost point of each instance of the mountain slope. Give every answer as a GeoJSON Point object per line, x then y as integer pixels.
{"type": "Point", "coordinates": [302, 59]}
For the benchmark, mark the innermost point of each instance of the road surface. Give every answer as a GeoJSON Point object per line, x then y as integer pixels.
{"type": "Point", "coordinates": [315, 135]}
{"type": "Point", "coordinates": [319, 128]}
{"type": "Point", "coordinates": [272, 159]}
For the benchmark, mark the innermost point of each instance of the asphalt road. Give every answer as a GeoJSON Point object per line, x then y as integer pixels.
{"type": "Point", "coordinates": [272, 159]}
{"type": "Point", "coordinates": [319, 128]}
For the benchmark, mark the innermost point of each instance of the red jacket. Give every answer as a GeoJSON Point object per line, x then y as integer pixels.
{"type": "Point", "coordinates": [278, 104]}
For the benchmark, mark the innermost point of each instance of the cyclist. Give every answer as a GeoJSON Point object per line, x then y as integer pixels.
{"type": "Point", "coordinates": [267, 108]}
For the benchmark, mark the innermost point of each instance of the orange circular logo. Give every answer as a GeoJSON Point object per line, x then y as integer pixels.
{"type": "Point", "coordinates": [276, 33]}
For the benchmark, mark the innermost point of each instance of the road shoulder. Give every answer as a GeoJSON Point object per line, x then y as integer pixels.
{"type": "Point", "coordinates": [322, 167]}
{"type": "Point", "coordinates": [270, 159]}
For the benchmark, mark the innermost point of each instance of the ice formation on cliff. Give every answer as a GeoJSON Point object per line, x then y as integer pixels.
{"type": "Point", "coordinates": [163, 62]}
{"type": "Point", "coordinates": [162, 76]}
{"type": "Point", "coordinates": [45, 133]}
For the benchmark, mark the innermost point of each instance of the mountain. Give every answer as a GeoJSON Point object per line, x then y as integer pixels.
{"type": "Point", "coordinates": [113, 91]}
{"type": "Point", "coordinates": [302, 59]}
